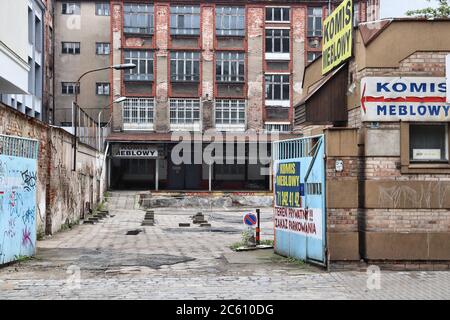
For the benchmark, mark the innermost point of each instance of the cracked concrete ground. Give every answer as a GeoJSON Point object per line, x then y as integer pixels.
{"type": "Point", "coordinates": [167, 262]}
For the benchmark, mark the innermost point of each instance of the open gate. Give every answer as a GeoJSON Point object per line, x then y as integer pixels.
{"type": "Point", "coordinates": [299, 198]}
{"type": "Point", "coordinates": [18, 178]}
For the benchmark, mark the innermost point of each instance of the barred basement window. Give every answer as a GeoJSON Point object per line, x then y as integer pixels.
{"type": "Point", "coordinates": [184, 111]}
{"type": "Point", "coordinates": [278, 40]}
{"type": "Point", "coordinates": [278, 15]}
{"type": "Point", "coordinates": [277, 87]}
{"type": "Point", "coordinates": [230, 111]}
{"type": "Point", "coordinates": [143, 59]}
{"type": "Point", "coordinates": [230, 21]}
{"type": "Point", "coordinates": [70, 47]}
{"type": "Point", "coordinates": [102, 48]}
{"type": "Point", "coordinates": [102, 9]}
{"type": "Point", "coordinates": [69, 87]}
{"type": "Point", "coordinates": [138, 18]}
{"type": "Point", "coordinates": [315, 22]}
{"type": "Point", "coordinates": [184, 66]}
{"type": "Point", "coordinates": [138, 111]}
{"type": "Point", "coordinates": [102, 88]}
{"type": "Point", "coordinates": [230, 67]}
{"type": "Point", "coordinates": [70, 8]}
{"type": "Point", "coordinates": [184, 20]}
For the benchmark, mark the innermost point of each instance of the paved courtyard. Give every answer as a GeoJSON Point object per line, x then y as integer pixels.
{"type": "Point", "coordinates": [167, 262]}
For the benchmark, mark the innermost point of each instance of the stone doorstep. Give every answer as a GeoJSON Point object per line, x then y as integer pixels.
{"type": "Point", "coordinates": [149, 216]}
{"type": "Point", "coordinates": [205, 225]}
{"type": "Point", "coordinates": [200, 221]}
{"type": "Point", "coordinates": [184, 225]}
{"type": "Point", "coordinates": [147, 223]}
{"type": "Point", "coordinates": [88, 222]}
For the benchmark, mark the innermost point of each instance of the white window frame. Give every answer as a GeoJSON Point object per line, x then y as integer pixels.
{"type": "Point", "coordinates": [138, 113]}
{"type": "Point", "coordinates": [191, 20]}
{"type": "Point", "coordinates": [233, 61]}
{"type": "Point", "coordinates": [278, 127]}
{"type": "Point", "coordinates": [102, 9]}
{"type": "Point", "coordinates": [185, 115]}
{"type": "Point", "coordinates": [102, 48]}
{"type": "Point", "coordinates": [223, 114]}
{"type": "Point", "coordinates": [228, 21]}
{"type": "Point", "coordinates": [68, 88]}
{"type": "Point", "coordinates": [315, 32]}
{"type": "Point", "coordinates": [284, 101]}
{"type": "Point", "coordinates": [102, 88]}
{"type": "Point", "coordinates": [189, 58]}
{"type": "Point", "coordinates": [282, 14]}
{"type": "Point", "coordinates": [134, 12]}
{"type": "Point", "coordinates": [144, 61]}
{"type": "Point", "coordinates": [278, 55]}
{"type": "Point", "coordinates": [70, 47]}
{"type": "Point", "coordinates": [71, 7]}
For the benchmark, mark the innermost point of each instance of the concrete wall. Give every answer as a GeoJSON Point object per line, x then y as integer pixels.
{"type": "Point", "coordinates": [62, 194]}
{"type": "Point", "coordinates": [86, 28]}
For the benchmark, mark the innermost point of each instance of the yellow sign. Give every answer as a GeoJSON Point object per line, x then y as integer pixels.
{"type": "Point", "coordinates": [337, 36]}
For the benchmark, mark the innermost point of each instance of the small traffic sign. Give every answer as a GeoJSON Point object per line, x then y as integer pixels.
{"type": "Point", "coordinates": [250, 219]}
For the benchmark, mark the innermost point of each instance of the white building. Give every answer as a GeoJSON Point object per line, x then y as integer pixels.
{"type": "Point", "coordinates": [21, 55]}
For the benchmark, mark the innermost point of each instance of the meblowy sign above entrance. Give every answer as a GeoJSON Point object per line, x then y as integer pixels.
{"type": "Point", "coordinates": [337, 36]}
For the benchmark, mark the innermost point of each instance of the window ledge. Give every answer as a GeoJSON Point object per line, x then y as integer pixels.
{"type": "Point", "coordinates": [426, 168]}
{"type": "Point", "coordinates": [188, 36]}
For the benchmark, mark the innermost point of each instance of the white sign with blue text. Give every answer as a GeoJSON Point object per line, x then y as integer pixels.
{"type": "Point", "coordinates": [404, 99]}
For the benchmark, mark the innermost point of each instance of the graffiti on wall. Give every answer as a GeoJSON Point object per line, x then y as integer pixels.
{"type": "Point", "coordinates": [17, 207]}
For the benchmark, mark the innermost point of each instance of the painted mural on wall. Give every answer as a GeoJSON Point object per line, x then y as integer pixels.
{"type": "Point", "coordinates": [17, 207]}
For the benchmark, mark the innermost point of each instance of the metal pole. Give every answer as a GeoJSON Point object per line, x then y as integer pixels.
{"type": "Point", "coordinates": [157, 175]}
{"type": "Point", "coordinates": [209, 177]}
{"type": "Point", "coordinates": [258, 227]}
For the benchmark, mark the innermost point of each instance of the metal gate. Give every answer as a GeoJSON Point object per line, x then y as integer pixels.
{"type": "Point", "coordinates": [18, 178]}
{"type": "Point", "coordinates": [299, 198]}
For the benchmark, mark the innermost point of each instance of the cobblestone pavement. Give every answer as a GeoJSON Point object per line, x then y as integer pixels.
{"type": "Point", "coordinates": [167, 262]}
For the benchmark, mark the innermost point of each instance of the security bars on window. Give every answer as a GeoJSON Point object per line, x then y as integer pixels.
{"type": "Point", "coordinates": [184, 66]}
{"type": "Point", "coordinates": [184, 111]}
{"type": "Point", "coordinates": [278, 15]}
{"type": "Point", "coordinates": [138, 18]}
{"type": "Point", "coordinates": [230, 67]}
{"type": "Point", "coordinates": [277, 87]}
{"type": "Point", "coordinates": [314, 22]}
{"type": "Point", "coordinates": [184, 20]}
{"type": "Point", "coordinates": [230, 21]}
{"type": "Point", "coordinates": [230, 111]}
{"type": "Point", "coordinates": [138, 111]}
{"type": "Point", "coordinates": [278, 41]}
{"type": "Point", "coordinates": [144, 65]}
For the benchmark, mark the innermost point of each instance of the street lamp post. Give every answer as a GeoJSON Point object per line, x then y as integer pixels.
{"type": "Point", "coordinates": [124, 66]}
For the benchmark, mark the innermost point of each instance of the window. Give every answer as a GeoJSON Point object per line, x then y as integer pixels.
{"type": "Point", "coordinates": [138, 111]}
{"type": "Point", "coordinates": [278, 15]}
{"type": "Point", "coordinates": [184, 66]}
{"type": "Point", "coordinates": [314, 22]}
{"type": "Point", "coordinates": [230, 67]}
{"type": "Point", "coordinates": [138, 18]}
{"type": "Point", "coordinates": [185, 20]}
{"type": "Point", "coordinates": [278, 41]}
{"type": "Point", "coordinates": [230, 21]}
{"type": "Point", "coordinates": [102, 48]}
{"type": "Point", "coordinates": [102, 9]}
{"type": "Point", "coordinates": [70, 48]}
{"type": "Point", "coordinates": [356, 14]}
{"type": "Point", "coordinates": [277, 127]}
{"type": "Point", "coordinates": [277, 87]}
{"type": "Point", "coordinates": [102, 88]}
{"type": "Point", "coordinates": [69, 88]}
{"type": "Point", "coordinates": [143, 59]}
{"type": "Point", "coordinates": [312, 56]}
{"type": "Point", "coordinates": [230, 111]}
{"type": "Point", "coordinates": [70, 8]}
{"type": "Point", "coordinates": [428, 143]}
{"type": "Point", "coordinates": [184, 111]}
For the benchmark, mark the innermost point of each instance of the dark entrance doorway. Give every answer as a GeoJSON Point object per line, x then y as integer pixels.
{"type": "Point", "coordinates": [184, 176]}
{"type": "Point", "coordinates": [134, 174]}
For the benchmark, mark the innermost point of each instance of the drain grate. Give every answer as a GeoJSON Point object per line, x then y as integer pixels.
{"type": "Point", "coordinates": [133, 232]}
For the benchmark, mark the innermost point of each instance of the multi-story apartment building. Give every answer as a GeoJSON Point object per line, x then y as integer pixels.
{"type": "Point", "coordinates": [82, 43]}
{"type": "Point", "coordinates": [200, 65]}
{"type": "Point", "coordinates": [22, 56]}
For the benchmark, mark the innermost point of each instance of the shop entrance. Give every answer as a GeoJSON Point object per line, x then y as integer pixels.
{"type": "Point", "coordinates": [134, 174]}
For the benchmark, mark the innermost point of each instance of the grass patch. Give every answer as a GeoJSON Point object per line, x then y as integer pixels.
{"type": "Point", "coordinates": [21, 259]}
{"type": "Point", "coordinates": [40, 235]}
{"type": "Point", "coordinates": [266, 242]}
{"type": "Point", "coordinates": [69, 225]}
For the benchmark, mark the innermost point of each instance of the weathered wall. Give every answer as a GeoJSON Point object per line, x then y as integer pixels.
{"type": "Point", "coordinates": [62, 194]}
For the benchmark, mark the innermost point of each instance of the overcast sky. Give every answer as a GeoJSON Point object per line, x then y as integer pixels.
{"type": "Point", "coordinates": [398, 8]}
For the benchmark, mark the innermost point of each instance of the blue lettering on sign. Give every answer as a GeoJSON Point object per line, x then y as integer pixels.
{"type": "Point", "coordinates": [411, 110]}
{"type": "Point", "coordinates": [419, 87]}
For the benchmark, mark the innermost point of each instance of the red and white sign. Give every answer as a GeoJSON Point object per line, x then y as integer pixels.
{"type": "Point", "coordinates": [447, 75]}
{"type": "Point", "coordinates": [307, 222]}
{"type": "Point", "coordinates": [404, 99]}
